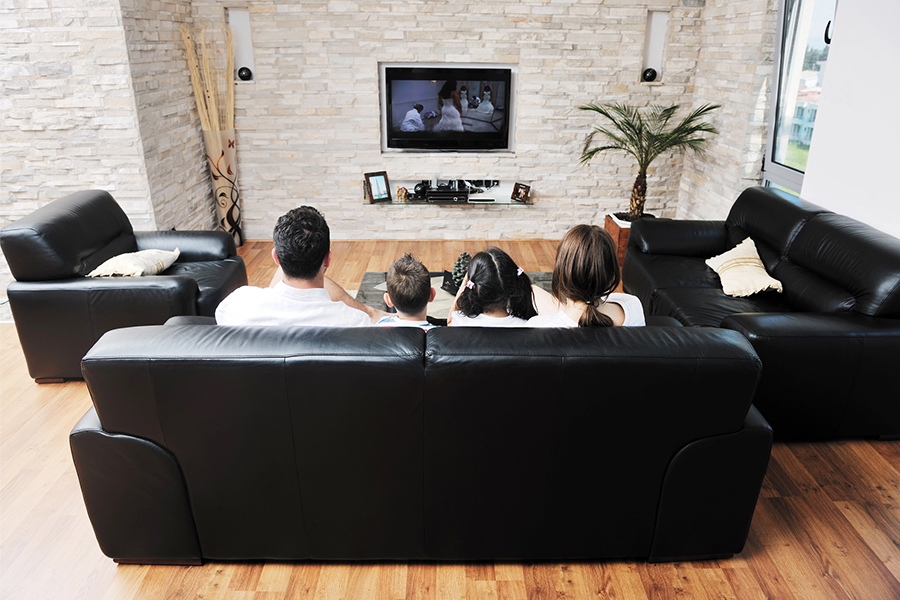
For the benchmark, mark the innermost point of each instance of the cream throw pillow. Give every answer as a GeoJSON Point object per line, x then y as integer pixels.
{"type": "Point", "coordinates": [133, 264]}
{"type": "Point", "coordinates": [741, 271]}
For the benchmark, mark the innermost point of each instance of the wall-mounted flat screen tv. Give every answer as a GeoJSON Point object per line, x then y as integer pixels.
{"type": "Point", "coordinates": [447, 107]}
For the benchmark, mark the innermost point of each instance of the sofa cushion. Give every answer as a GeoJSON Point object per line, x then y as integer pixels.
{"type": "Point", "coordinates": [742, 272]}
{"type": "Point", "coordinates": [854, 257]}
{"type": "Point", "coordinates": [68, 237]}
{"type": "Point", "coordinates": [706, 307]}
{"type": "Point", "coordinates": [215, 279]}
{"type": "Point", "coordinates": [135, 264]}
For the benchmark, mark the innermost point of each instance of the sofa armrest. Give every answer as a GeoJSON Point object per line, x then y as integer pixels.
{"type": "Point", "coordinates": [822, 326]}
{"type": "Point", "coordinates": [825, 375]}
{"type": "Point", "coordinates": [58, 321]}
{"type": "Point", "coordinates": [190, 320]}
{"type": "Point", "coordinates": [195, 246]}
{"type": "Point", "coordinates": [699, 514]}
{"type": "Point", "coordinates": [135, 496]}
{"type": "Point", "coordinates": [681, 238]}
{"type": "Point", "coordinates": [662, 321]}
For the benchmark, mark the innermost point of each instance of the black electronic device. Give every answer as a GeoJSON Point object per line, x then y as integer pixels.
{"type": "Point", "coordinates": [447, 197]}
{"type": "Point", "coordinates": [404, 88]}
{"type": "Point", "coordinates": [245, 74]}
{"type": "Point", "coordinates": [648, 75]}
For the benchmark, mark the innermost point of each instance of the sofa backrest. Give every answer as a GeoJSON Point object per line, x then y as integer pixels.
{"type": "Point", "coordinates": [771, 217]}
{"type": "Point", "coordinates": [391, 438]}
{"type": "Point", "coordinates": [553, 428]}
{"type": "Point", "coordinates": [826, 262]}
{"type": "Point", "coordinates": [68, 237]}
{"type": "Point", "coordinates": [844, 258]}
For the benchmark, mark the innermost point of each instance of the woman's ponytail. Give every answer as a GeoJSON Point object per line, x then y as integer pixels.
{"type": "Point", "coordinates": [592, 317]}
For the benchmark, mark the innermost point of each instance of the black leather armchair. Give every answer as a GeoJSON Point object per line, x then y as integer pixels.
{"type": "Point", "coordinates": [60, 313]}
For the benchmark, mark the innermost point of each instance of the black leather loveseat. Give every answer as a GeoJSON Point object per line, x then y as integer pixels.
{"type": "Point", "coordinates": [60, 313]}
{"type": "Point", "coordinates": [830, 343]}
{"type": "Point", "coordinates": [228, 443]}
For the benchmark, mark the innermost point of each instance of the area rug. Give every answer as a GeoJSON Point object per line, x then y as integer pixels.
{"type": "Point", "coordinates": [373, 286]}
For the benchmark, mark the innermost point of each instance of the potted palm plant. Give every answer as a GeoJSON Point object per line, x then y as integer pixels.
{"type": "Point", "coordinates": [644, 134]}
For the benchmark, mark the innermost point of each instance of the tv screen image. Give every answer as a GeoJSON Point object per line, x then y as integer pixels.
{"type": "Point", "coordinates": [447, 108]}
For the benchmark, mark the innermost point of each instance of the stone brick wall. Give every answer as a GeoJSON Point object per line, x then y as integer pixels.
{"type": "Point", "coordinates": [69, 120]}
{"type": "Point", "coordinates": [308, 127]}
{"type": "Point", "coordinates": [735, 69]}
{"type": "Point", "coordinates": [95, 93]}
{"type": "Point", "coordinates": [167, 116]}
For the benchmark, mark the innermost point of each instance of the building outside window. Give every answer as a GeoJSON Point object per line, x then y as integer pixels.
{"type": "Point", "coordinates": [801, 54]}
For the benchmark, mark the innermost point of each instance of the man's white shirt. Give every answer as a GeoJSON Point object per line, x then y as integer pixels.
{"type": "Point", "coordinates": [287, 306]}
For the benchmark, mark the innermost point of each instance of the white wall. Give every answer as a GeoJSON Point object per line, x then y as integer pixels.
{"type": "Point", "coordinates": [854, 151]}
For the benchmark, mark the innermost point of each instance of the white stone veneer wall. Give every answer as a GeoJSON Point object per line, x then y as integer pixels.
{"type": "Point", "coordinates": [309, 127]}
{"type": "Point", "coordinates": [69, 119]}
{"type": "Point", "coordinates": [735, 69]}
{"type": "Point", "coordinates": [169, 125]}
{"type": "Point", "coordinates": [95, 94]}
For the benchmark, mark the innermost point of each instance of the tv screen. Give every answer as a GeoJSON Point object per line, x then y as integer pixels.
{"type": "Point", "coordinates": [446, 107]}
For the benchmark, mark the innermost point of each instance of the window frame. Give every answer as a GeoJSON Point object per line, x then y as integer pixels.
{"type": "Point", "coordinates": [773, 172]}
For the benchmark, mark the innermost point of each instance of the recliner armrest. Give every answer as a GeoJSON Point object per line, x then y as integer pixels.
{"type": "Point", "coordinates": [679, 237]}
{"type": "Point", "coordinates": [825, 375]}
{"type": "Point", "coordinates": [190, 320]}
{"type": "Point", "coordinates": [135, 496]}
{"type": "Point", "coordinates": [195, 246]}
{"type": "Point", "coordinates": [58, 321]}
{"type": "Point", "coordinates": [758, 326]}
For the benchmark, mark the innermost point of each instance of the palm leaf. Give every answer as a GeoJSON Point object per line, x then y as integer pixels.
{"type": "Point", "coordinates": [646, 136]}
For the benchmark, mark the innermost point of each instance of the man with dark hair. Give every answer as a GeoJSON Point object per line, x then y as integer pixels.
{"type": "Point", "coordinates": [409, 291]}
{"type": "Point", "coordinates": [304, 295]}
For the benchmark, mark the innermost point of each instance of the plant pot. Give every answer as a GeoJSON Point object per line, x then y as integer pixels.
{"type": "Point", "coordinates": [619, 231]}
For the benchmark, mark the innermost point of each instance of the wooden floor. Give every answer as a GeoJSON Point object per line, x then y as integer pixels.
{"type": "Point", "coordinates": [827, 524]}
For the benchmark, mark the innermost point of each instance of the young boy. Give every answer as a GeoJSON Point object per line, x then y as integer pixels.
{"type": "Point", "coordinates": [409, 291]}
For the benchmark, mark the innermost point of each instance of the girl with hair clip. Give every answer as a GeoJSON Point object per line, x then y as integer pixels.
{"type": "Point", "coordinates": [584, 277]}
{"type": "Point", "coordinates": [494, 293]}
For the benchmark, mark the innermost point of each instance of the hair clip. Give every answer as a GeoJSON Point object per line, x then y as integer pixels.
{"type": "Point", "coordinates": [589, 302]}
{"type": "Point", "coordinates": [469, 284]}
{"type": "Point", "coordinates": [520, 271]}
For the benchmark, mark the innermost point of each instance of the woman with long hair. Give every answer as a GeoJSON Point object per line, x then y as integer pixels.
{"type": "Point", "coordinates": [451, 108]}
{"type": "Point", "coordinates": [585, 276]}
{"type": "Point", "coordinates": [494, 293]}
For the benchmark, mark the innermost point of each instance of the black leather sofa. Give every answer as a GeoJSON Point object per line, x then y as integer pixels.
{"type": "Point", "coordinates": [60, 313]}
{"type": "Point", "coordinates": [238, 443]}
{"type": "Point", "coordinates": [830, 343]}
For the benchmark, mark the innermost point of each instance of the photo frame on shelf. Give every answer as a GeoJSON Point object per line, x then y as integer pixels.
{"type": "Point", "coordinates": [521, 192]}
{"type": "Point", "coordinates": [378, 188]}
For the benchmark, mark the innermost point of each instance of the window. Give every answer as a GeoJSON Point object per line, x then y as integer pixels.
{"type": "Point", "coordinates": [801, 52]}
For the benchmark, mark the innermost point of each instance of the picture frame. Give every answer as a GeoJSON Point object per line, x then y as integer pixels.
{"type": "Point", "coordinates": [378, 188]}
{"type": "Point", "coordinates": [521, 192]}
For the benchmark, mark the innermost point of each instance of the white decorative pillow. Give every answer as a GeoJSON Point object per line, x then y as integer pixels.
{"type": "Point", "coordinates": [741, 271]}
{"type": "Point", "coordinates": [133, 264]}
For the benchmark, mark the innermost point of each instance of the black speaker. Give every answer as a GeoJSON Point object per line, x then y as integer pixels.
{"type": "Point", "coordinates": [648, 75]}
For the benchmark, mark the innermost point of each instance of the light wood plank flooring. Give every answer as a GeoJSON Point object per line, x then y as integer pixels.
{"type": "Point", "coordinates": [827, 524]}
